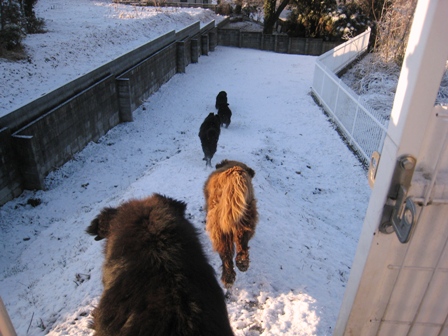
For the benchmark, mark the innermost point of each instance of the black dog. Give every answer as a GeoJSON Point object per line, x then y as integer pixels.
{"type": "Point", "coordinates": [209, 135]}
{"type": "Point", "coordinates": [157, 280]}
{"type": "Point", "coordinates": [225, 115]}
{"type": "Point", "coordinates": [221, 99]}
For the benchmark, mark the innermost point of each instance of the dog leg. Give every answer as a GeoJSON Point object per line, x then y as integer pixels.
{"type": "Point", "coordinates": [208, 161]}
{"type": "Point", "coordinates": [242, 251]}
{"type": "Point", "coordinates": [226, 251]}
{"type": "Point", "coordinates": [228, 273]}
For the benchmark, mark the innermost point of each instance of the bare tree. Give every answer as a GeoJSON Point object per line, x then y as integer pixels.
{"type": "Point", "coordinates": [393, 29]}
{"type": "Point", "coordinates": [271, 14]}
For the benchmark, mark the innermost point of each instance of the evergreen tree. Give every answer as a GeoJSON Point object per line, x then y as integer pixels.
{"type": "Point", "coordinates": [11, 23]}
{"type": "Point", "coordinates": [17, 18]}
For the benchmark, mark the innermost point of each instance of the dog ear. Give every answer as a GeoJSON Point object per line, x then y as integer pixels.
{"type": "Point", "coordinates": [221, 164]}
{"type": "Point", "coordinates": [99, 227]}
{"type": "Point", "coordinates": [177, 206]}
{"type": "Point", "coordinates": [251, 172]}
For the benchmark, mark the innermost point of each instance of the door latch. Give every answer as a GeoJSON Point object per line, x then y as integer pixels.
{"type": "Point", "coordinates": [373, 168]}
{"type": "Point", "coordinates": [399, 211]}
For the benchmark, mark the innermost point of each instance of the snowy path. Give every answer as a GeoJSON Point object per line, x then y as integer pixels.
{"type": "Point", "coordinates": [312, 194]}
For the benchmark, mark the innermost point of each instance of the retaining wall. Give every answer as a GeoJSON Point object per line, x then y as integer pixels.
{"type": "Point", "coordinates": [53, 138]}
{"type": "Point", "coordinates": [46, 133]}
{"type": "Point", "coordinates": [277, 43]}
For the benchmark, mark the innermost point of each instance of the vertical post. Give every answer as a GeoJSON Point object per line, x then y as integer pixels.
{"type": "Point", "coordinates": [212, 39]}
{"type": "Point", "coordinates": [180, 56]}
{"type": "Point", "coordinates": [124, 99]}
{"type": "Point", "coordinates": [204, 44]}
{"type": "Point", "coordinates": [194, 50]}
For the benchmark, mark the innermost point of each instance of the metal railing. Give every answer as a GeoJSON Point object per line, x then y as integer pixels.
{"type": "Point", "coordinates": [363, 128]}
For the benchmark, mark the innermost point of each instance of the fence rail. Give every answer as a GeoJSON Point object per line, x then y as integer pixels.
{"type": "Point", "coordinates": [360, 125]}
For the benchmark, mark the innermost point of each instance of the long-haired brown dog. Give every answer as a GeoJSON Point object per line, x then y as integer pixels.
{"type": "Point", "coordinates": [156, 277]}
{"type": "Point", "coordinates": [231, 215]}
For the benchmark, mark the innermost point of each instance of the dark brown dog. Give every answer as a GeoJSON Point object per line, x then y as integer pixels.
{"type": "Point", "coordinates": [156, 277]}
{"type": "Point", "coordinates": [209, 135]}
{"type": "Point", "coordinates": [231, 215]}
{"type": "Point", "coordinates": [221, 99]}
{"type": "Point", "coordinates": [225, 115]}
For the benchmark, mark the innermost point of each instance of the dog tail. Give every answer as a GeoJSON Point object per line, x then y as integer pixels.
{"type": "Point", "coordinates": [236, 195]}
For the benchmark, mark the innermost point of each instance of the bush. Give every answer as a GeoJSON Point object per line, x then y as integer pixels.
{"type": "Point", "coordinates": [16, 21]}
{"type": "Point", "coordinates": [325, 20]}
{"type": "Point", "coordinates": [393, 30]}
{"type": "Point", "coordinates": [11, 37]}
{"type": "Point", "coordinates": [224, 8]}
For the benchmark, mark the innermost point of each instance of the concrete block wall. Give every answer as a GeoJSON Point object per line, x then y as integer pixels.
{"type": "Point", "coordinates": [277, 43]}
{"type": "Point", "coordinates": [55, 137]}
{"type": "Point", "coordinates": [251, 40]}
{"type": "Point", "coordinates": [10, 177]}
{"type": "Point", "coordinates": [47, 132]}
{"type": "Point", "coordinates": [145, 78]}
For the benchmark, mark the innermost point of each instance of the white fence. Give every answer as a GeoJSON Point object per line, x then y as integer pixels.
{"type": "Point", "coordinates": [362, 127]}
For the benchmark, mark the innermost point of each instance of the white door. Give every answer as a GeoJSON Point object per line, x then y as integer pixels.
{"type": "Point", "coordinates": [401, 287]}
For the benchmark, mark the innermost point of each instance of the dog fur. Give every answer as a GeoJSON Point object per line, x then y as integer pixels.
{"type": "Point", "coordinates": [221, 99]}
{"type": "Point", "coordinates": [209, 134]}
{"type": "Point", "coordinates": [156, 277]}
{"type": "Point", "coordinates": [225, 115]}
{"type": "Point", "coordinates": [232, 215]}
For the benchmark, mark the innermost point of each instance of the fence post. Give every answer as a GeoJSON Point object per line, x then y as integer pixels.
{"type": "Point", "coordinates": [352, 132]}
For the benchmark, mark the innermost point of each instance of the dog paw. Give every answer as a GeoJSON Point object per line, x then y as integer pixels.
{"type": "Point", "coordinates": [228, 279]}
{"type": "Point", "coordinates": [242, 262]}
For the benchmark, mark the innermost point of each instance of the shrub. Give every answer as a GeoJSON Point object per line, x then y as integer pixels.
{"type": "Point", "coordinates": [224, 8]}
{"type": "Point", "coordinates": [393, 30]}
{"type": "Point", "coordinates": [16, 20]}
{"type": "Point", "coordinates": [11, 37]}
{"type": "Point", "coordinates": [323, 19]}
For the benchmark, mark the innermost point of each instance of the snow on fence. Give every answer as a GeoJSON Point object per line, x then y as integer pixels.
{"type": "Point", "coordinates": [362, 127]}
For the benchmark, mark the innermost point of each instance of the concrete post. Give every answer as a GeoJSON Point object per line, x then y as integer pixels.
{"type": "Point", "coordinates": [204, 44]}
{"type": "Point", "coordinates": [213, 40]}
{"type": "Point", "coordinates": [194, 50]}
{"type": "Point", "coordinates": [180, 57]}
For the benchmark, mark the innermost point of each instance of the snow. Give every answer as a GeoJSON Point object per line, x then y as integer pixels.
{"type": "Point", "coordinates": [81, 36]}
{"type": "Point", "coordinates": [312, 192]}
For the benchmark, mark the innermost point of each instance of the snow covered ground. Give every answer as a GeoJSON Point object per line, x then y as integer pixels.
{"type": "Point", "coordinates": [312, 192]}
{"type": "Point", "coordinates": [81, 36]}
